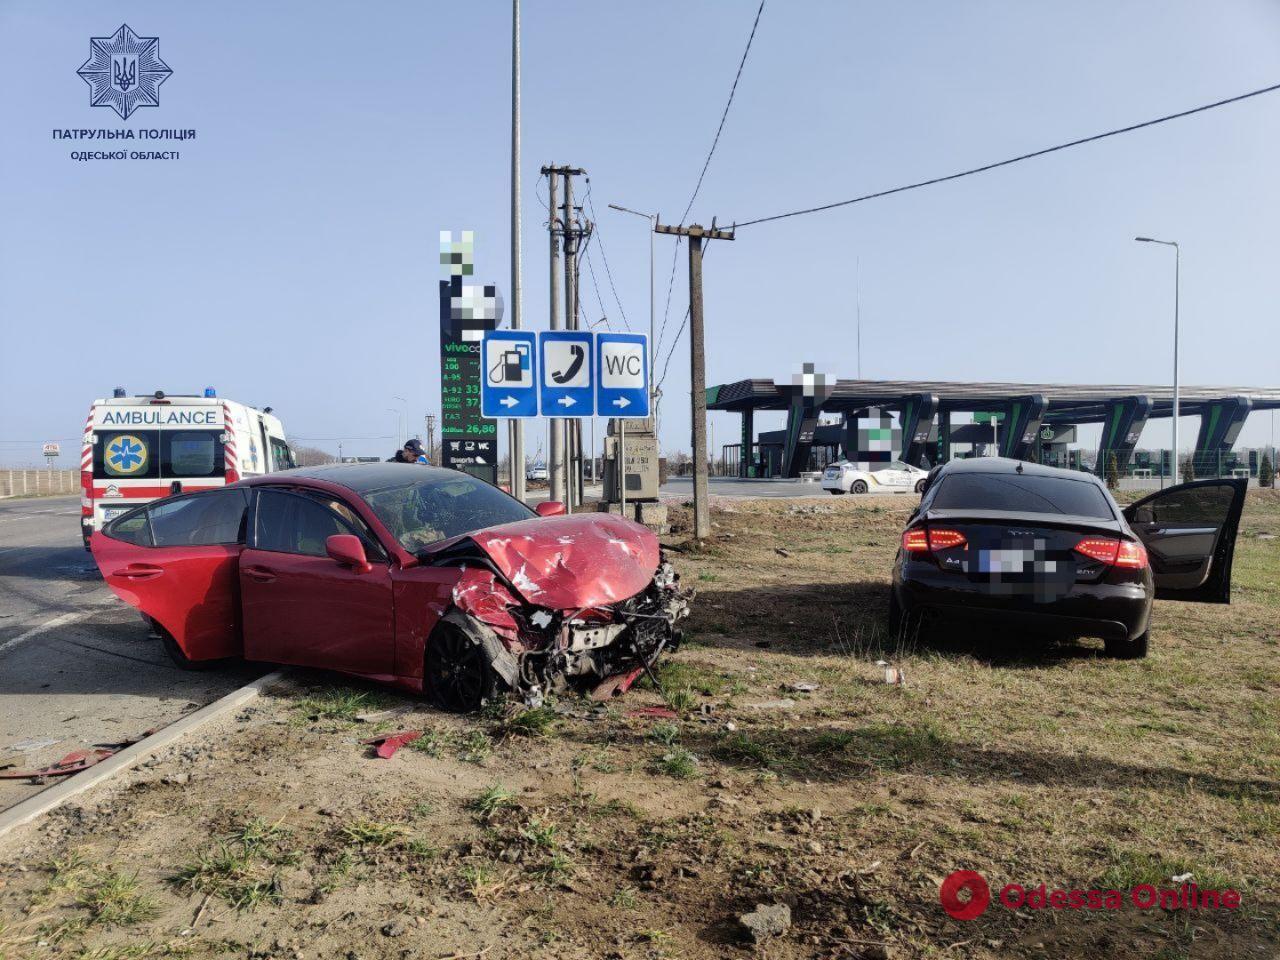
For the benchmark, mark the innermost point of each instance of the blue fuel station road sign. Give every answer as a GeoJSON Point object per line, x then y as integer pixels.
{"type": "Point", "coordinates": [509, 374]}
{"type": "Point", "coordinates": [622, 374]}
{"type": "Point", "coordinates": [566, 359]}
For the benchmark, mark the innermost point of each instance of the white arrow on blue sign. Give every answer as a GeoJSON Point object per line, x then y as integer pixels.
{"type": "Point", "coordinates": [622, 374]}
{"type": "Point", "coordinates": [508, 374]}
{"type": "Point", "coordinates": [567, 384]}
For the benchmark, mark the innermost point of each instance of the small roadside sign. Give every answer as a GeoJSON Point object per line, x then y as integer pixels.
{"type": "Point", "coordinates": [567, 366]}
{"type": "Point", "coordinates": [509, 374]}
{"type": "Point", "coordinates": [622, 374]}
{"type": "Point", "coordinates": [51, 450]}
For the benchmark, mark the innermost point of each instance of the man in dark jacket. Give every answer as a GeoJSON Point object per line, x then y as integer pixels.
{"type": "Point", "coordinates": [411, 452]}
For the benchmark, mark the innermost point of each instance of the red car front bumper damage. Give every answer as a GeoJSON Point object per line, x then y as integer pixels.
{"type": "Point", "coordinates": [586, 602]}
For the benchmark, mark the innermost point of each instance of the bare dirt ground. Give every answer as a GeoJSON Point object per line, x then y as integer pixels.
{"type": "Point", "coordinates": [793, 775]}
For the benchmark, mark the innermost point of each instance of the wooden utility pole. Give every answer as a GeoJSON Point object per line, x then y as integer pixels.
{"type": "Point", "coordinates": [697, 367]}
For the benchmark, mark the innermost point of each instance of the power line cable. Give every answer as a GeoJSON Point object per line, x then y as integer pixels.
{"type": "Point", "coordinates": [595, 229]}
{"type": "Point", "coordinates": [675, 255]}
{"type": "Point", "coordinates": [1012, 160]}
{"type": "Point", "coordinates": [604, 318]}
{"type": "Point", "coordinates": [725, 115]}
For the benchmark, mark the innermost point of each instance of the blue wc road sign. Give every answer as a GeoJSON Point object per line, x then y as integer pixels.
{"type": "Point", "coordinates": [622, 374]}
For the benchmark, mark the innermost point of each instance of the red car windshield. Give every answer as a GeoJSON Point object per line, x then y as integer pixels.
{"type": "Point", "coordinates": [422, 511]}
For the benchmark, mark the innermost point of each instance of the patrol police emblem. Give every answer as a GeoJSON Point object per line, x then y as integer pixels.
{"type": "Point", "coordinates": [126, 455]}
{"type": "Point", "coordinates": [124, 71]}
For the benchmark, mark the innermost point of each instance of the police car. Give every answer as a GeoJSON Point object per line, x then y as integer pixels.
{"type": "Point", "coordinates": [846, 477]}
{"type": "Point", "coordinates": [137, 449]}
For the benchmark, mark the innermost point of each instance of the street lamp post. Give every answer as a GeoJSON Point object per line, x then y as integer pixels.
{"type": "Point", "coordinates": [402, 434]}
{"type": "Point", "coordinates": [399, 419]}
{"type": "Point", "coordinates": [1177, 283]}
{"type": "Point", "coordinates": [653, 219]}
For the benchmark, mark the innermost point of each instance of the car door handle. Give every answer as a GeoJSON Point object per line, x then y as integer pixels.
{"type": "Point", "coordinates": [139, 571]}
{"type": "Point", "coordinates": [261, 574]}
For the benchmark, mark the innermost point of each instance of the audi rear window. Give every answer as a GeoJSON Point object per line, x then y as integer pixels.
{"type": "Point", "coordinates": [1012, 493]}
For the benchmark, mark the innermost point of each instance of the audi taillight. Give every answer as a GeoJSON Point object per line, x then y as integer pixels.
{"type": "Point", "coordinates": [1114, 553]}
{"type": "Point", "coordinates": [921, 541]}
{"type": "Point", "coordinates": [945, 539]}
{"type": "Point", "coordinates": [915, 541]}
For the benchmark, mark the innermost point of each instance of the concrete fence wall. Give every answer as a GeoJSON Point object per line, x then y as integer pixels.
{"type": "Point", "coordinates": [38, 483]}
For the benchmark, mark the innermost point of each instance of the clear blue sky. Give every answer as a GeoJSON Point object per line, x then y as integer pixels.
{"type": "Point", "coordinates": [289, 256]}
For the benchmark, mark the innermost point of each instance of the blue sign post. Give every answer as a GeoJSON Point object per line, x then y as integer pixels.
{"type": "Point", "coordinates": [622, 374]}
{"type": "Point", "coordinates": [508, 374]}
{"type": "Point", "coordinates": [567, 362]}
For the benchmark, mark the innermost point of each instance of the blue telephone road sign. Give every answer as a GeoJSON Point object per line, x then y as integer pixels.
{"type": "Point", "coordinates": [567, 369]}
{"type": "Point", "coordinates": [622, 374]}
{"type": "Point", "coordinates": [508, 374]}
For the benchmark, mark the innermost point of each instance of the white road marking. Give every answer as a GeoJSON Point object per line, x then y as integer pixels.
{"type": "Point", "coordinates": [47, 625]}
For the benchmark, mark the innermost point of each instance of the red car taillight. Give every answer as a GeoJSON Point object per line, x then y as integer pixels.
{"type": "Point", "coordinates": [86, 493]}
{"type": "Point", "coordinates": [920, 541]}
{"type": "Point", "coordinates": [915, 541]}
{"type": "Point", "coordinates": [945, 539]}
{"type": "Point", "coordinates": [1114, 553]}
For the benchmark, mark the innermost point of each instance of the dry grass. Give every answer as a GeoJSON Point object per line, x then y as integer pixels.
{"type": "Point", "coordinates": [580, 833]}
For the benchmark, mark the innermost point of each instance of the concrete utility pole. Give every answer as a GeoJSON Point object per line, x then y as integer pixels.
{"type": "Point", "coordinates": [515, 425]}
{"type": "Point", "coordinates": [431, 435]}
{"type": "Point", "coordinates": [570, 323]}
{"type": "Point", "coordinates": [555, 426]}
{"type": "Point", "coordinates": [563, 471]}
{"type": "Point", "coordinates": [697, 368]}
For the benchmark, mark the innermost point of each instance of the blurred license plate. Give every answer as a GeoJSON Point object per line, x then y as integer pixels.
{"type": "Point", "coordinates": [1005, 560]}
{"type": "Point", "coordinates": [110, 513]}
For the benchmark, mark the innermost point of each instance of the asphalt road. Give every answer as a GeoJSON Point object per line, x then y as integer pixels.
{"type": "Point", "coordinates": [76, 665]}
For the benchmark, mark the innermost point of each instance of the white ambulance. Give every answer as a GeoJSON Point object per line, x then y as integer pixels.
{"type": "Point", "coordinates": [141, 448]}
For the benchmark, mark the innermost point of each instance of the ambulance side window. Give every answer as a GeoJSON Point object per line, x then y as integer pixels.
{"type": "Point", "coordinates": [281, 455]}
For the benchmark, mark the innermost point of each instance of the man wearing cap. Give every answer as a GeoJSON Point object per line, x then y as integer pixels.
{"type": "Point", "coordinates": [411, 452]}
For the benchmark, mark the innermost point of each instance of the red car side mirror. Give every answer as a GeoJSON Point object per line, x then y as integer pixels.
{"type": "Point", "coordinates": [549, 508]}
{"type": "Point", "coordinates": [347, 550]}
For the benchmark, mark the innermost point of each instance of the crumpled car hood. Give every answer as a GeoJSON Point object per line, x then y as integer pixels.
{"type": "Point", "coordinates": [573, 561]}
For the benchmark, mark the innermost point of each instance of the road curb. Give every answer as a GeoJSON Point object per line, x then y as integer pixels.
{"type": "Point", "coordinates": [55, 796]}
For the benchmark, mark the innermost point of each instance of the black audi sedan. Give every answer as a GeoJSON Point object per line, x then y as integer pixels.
{"type": "Point", "coordinates": [1050, 551]}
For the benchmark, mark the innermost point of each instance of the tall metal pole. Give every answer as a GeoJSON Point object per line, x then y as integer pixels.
{"type": "Point", "coordinates": [698, 389]}
{"type": "Point", "coordinates": [515, 425]}
{"type": "Point", "coordinates": [1177, 285]}
{"type": "Point", "coordinates": [859, 296]}
{"type": "Point", "coordinates": [653, 346]}
{"type": "Point", "coordinates": [653, 356]}
{"type": "Point", "coordinates": [555, 425]}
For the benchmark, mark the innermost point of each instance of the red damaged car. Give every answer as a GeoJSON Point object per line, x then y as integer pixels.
{"type": "Point", "coordinates": [424, 578]}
